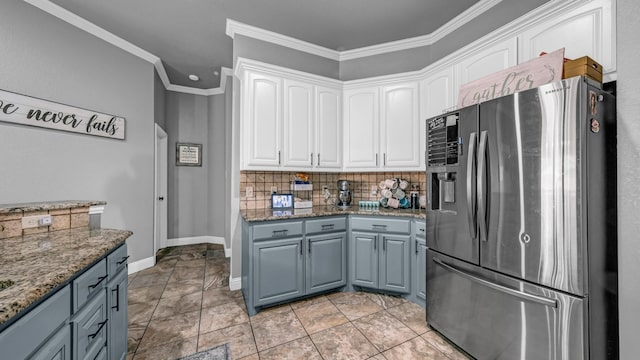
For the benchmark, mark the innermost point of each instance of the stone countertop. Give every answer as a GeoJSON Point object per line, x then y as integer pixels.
{"type": "Point", "coordinates": [39, 263]}
{"type": "Point", "coordinates": [48, 205]}
{"type": "Point", "coordinates": [316, 211]}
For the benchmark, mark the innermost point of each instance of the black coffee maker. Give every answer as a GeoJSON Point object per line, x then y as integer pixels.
{"type": "Point", "coordinates": [344, 194]}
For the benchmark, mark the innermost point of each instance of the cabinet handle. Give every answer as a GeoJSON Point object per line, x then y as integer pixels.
{"type": "Point", "coordinates": [375, 226]}
{"type": "Point", "coordinates": [311, 156]}
{"type": "Point", "coordinates": [375, 242]}
{"type": "Point", "coordinates": [327, 226]}
{"type": "Point", "coordinates": [416, 246]}
{"type": "Point", "coordinates": [376, 159]}
{"type": "Point", "coordinates": [300, 248]}
{"type": "Point", "coordinates": [102, 324]}
{"type": "Point", "coordinates": [117, 291]}
{"type": "Point", "coordinates": [309, 246]}
{"type": "Point", "coordinates": [277, 232]}
{"type": "Point", "coordinates": [100, 279]}
{"type": "Point", "coordinates": [384, 159]}
{"type": "Point", "coordinates": [124, 259]}
{"type": "Point", "coordinates": [278, 157]}
{"type": "Point", "coordinates": [318, 159]}
{"type": "Point", "coordinates": [384, 244]}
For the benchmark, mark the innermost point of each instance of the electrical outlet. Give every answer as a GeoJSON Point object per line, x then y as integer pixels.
{"type": "Point", "coordinates": [248, 192]}
{"type": "Point", "coordinates": [325, 188]}
{"type": "Point", "coordinates": [36, 221]}
{"type": "Point", "coordinates": [374, 190]}
{"type": "Point", "coordinates": [274, 189]}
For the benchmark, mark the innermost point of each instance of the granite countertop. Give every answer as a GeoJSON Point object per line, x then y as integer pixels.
{"type": "Point", "coordinates": [49, 205]}
{"type": "Point", "coordinates": [270, 214]}
{"type": "Point", "coordinates": [38, 263]}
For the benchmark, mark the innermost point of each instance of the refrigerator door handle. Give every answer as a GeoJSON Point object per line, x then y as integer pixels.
{"type": "Point", "coordinates": [481, 190]}
{"type": "Point", "coordinates": [471, 194]}
{"type": "Point", "coordinates": [519, 294]}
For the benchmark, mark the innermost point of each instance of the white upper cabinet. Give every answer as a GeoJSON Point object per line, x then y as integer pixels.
{"type": "Point", "coordinates": [487, 61]}
{"type": "Point", "coordinates": [361, 118]}
{"type": "Point", "coordinates": [382, 127]}
{"type": "Point", "coordinates": [399, 126]}
{"type": "Point", "coordinates": [289, 121]}
{"type": "Point", "coordinates": [587, 30]}
{"type": "Point", "coordinates": [437, 95]}
{"type": "Point", "coordinates": [298, 124]}
{"type": "Point", "coordinates": [262, 120]}
{"type": "Point", "coordinates": [328, 140]}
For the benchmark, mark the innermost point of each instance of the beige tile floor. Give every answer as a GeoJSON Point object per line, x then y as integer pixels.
{"type": "Point", "coordinates": [183, 305]}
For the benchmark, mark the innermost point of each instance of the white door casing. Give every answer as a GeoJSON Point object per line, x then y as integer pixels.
{"type": "Point", "coordinates": [160, 190]}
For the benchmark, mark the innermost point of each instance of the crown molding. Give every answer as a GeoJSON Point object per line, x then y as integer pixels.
{"type": "Point", "coordinates": [237, 28]}
{"type": "Point", "coordinates": [424, 40]}
{"type": "Point", "coordinates": [82, 24]}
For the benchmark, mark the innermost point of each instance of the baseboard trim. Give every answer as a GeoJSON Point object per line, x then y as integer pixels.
{"type": "Point", "coordinates": [235, 283]}
{"type": "Point", "coordinates": [206, 239]}
{"type": "Point", "coordinates": [140, 265]}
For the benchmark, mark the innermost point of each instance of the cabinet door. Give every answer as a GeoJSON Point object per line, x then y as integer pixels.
{"type": "Point", "coordinates": [326, 266]}
{"type": "Point", "coordinates": [298, 124]}
{"type": "Point", "coordinates": [421, 269]}
{"type": "Point", "coordinates": [588, 30]}
{"type": "Point", "coordinates": [57, 348]}
{"type": "Point", "coordinates": [487, 61]}
{"type": "Point", "coordinates": [361, 122]}
{"type": "Point", "coordinates": [363, 257]}
{"type": "Point", "coordinates": [399, 126]}
{"type": "Point", "coordinates": [328, 128]}
{"type": "Point", "coordinates": [117, 306]}
{"type": "Point", "coordinates": [89, 328]}
{"type": "Point", "coordinates": [395, 263]}
{"type": "Point", "coordinates": [262, 120]}
{"type": "Point", "coordinates": [278, 270]}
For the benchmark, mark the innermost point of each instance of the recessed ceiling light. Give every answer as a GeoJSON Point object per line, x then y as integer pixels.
{"type": "Point", "coordinates": [216, 73]}
{"type": "Point", "coordinates": [194, 77]}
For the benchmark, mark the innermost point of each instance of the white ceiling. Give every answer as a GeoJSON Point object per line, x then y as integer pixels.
{"type": "Point", "coordinates": [189, 35]}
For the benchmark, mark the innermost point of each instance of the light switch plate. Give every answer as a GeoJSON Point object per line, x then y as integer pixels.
{"type": "Point", "coordinates": [248, 191]}
{"type": "Point", "coordinates": [274, 189]}
{"type": "Point", "coordinates": [36, 221]}
{"type": "Point", "coordinates": [374, 190]}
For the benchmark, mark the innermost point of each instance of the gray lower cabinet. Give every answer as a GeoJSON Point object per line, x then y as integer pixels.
{"type": "Point", "coordinates": [326, 265]}
{"type": "Point", "coordinates": [86, 319]}
{"type": "Point", "coordinates": [278, 270]}
{"type": "Point", "coordinates": [285, 260]}
{"type": "Point", "coordinates": [117, 289]}
{"type": "Point", "coordinates": [420, 263]}
{"type": "Point", "coordinates": [56, 348]}
{"type": "Point", "coordinates": [381, 259]}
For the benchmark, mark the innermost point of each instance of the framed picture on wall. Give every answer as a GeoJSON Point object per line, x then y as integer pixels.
{"type": "Point", "coordinates": [188, 154]}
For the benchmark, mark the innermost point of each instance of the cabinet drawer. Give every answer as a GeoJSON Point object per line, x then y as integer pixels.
{"type": "Point", "coordinates": [90, 282]}
{"type": "Point", "coordinates": [381, 225]}
{"type": "Point", "coordinates": [326, 225]}
{"type": "Point", "coordinates": [117, 260]}
{"type": "Point", "coordinates": [277, 229]}
{"type": "Point", "coordinates": [90, 328]}
{"type": "Point", "coordinates": [421, 229]}
{"type": "Point", "coordinates": [26, 334]}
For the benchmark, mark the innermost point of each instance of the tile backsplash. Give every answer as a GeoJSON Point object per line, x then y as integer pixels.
{"type": "Point", "coordinates": [361, 185]}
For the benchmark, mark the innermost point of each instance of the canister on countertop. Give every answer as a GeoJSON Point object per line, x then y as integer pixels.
{"type": "Point", "coordinates": [415, 200]}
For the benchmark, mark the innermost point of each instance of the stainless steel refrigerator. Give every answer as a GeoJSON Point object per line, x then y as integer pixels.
{"type": "Point", "coordinates": [521, 225]}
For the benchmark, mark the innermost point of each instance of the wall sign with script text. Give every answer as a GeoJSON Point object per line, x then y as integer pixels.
{"type": "Point", "coordinates": [27, 110]}
{"type": "Point", "coordinates": [533, 73]}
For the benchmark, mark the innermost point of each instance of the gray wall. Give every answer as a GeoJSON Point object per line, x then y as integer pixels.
{"type": "Point", "coordinates": [187, 186]}
{"type": "Point", "coordinates": [419, 58]}
{"type": "Point", "coordinates": [628, 13]}
{"type": "Point", "coordinates": [159, 101]}
{"type": "Point", "coordinates": [47, 58]}
{"type": "Point", "coordinates": [196, 195]}
{"type": "Point", "coordinates": [217, 175]}
{"type": "Point", "coordinates": [283, 56]}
